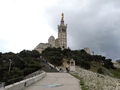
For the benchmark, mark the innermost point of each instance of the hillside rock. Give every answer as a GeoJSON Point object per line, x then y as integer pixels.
{"type": "Point", "coordinates": [95, 81]}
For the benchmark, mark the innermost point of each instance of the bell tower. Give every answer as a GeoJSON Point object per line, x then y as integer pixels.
{"type": "Point", "coordinates": [62, 34]}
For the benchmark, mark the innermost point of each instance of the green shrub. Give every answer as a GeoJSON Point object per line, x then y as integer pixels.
{"type": "Point", "coordinates": [100, 70]}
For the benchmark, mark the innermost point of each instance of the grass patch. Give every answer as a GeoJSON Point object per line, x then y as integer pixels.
{"type": "Point", "coordinates": [116, 72]}
{"type": "Point", "coordinates": [83, 87]}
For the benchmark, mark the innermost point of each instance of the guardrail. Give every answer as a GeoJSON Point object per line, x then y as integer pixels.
{"type": "Point", "coordinates": [25, 83]}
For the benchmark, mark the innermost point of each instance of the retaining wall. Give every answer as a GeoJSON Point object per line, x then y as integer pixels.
{"type": "Point", "coordinates": [25, 83]}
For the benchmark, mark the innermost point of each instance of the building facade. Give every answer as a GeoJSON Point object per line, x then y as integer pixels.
{"type": "Point", "coordinates": [42, 46]}
{"type": "Point", "coordinates": [61, 41]}
{"type": "Point", "coordinates": [87, 50]}
{"type": "Point", "coordinates": [51, 41]}
{"type": "Point", "coordinates": [62, 34]}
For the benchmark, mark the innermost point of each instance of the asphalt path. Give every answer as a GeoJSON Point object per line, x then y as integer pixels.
{"type": "Point", "coordinates": [56, 81]}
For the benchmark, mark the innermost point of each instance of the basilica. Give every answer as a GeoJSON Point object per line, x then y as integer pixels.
{"type": "Point", "coordinates": [61, 41]}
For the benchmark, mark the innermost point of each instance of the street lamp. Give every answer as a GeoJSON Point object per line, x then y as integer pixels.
{"type": "Point", "coordinates": [10, 64]}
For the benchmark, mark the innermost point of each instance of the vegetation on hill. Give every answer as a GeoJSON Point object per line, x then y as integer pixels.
{"type": "Point", "coordinates": [96, 63]}
{"type": "Point", "coordinates": [83, 59]}
{"type": "Point", "coordinates": [26, 62]}
{"type": "Point", "coordinates": [22, 64]}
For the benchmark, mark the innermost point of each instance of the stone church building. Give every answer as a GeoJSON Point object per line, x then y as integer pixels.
{"type": "Point", "coordinates": [61, 41]}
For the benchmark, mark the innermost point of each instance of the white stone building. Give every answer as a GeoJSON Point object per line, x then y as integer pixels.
{"type": "Point", "coordinates": [61, 41]}
{"type": "Point", "coordinates": [51, 41]}
{"type": "Point", "coordinates": [62, 34]}
{"type": "Point", "coordinates": [116, 64]}
{"type": "Point", "coordinates": [87, 50]}
{"type": "Point", "coordinates": [40, 47]}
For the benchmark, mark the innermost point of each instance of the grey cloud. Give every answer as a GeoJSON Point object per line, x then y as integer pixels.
{"type": "Point", "coordinates": [94, 24]}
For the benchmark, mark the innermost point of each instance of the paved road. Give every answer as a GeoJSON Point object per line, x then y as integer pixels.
{"type": "Point", "coordinates": [56, 81]}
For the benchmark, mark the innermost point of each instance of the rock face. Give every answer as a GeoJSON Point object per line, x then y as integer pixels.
{"type": "Point", "coordinates": [95, 81]}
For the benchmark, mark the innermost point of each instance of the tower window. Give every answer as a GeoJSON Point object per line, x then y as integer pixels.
{"type": "Point", "coordinates": [63, 30]}
{"type": "Point", "coordinates": [59, 30]}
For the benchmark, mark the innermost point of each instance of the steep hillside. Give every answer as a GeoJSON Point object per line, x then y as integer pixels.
{"type": "Point", "coordinates": [95, 63]}
{"type": "Point", "coordinates": [13, 67]}
{"type": "Point", "coordinates": [94, 81]}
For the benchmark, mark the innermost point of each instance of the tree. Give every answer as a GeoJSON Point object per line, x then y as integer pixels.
{"type": "Point", "coordinates": [108, 64]}
{"type": "Point", "coordinates": [85, 64]}
{"type": "Point", "coordinates": [56, 60]}
{"type": "Point", "coordinates": [100, 70]}
{"type": "Point", "coordinates": [0, 54]}
{"type": "Point", "coordinates": [66, 53]}
{"type": "Point", "coordinates": [21, 63]}
{"type": "Point", "coordinates": [35, 54]}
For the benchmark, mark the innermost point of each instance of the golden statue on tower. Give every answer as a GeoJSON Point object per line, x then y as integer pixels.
{"type": "Point", "coordinates": [62, 16]}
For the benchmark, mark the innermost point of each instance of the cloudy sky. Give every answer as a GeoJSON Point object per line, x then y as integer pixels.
{"type": "Point", "coordinates": [91, 23]}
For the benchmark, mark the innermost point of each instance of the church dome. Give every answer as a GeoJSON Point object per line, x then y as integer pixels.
{"type": "Point", "coordinates": [51, 39]}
